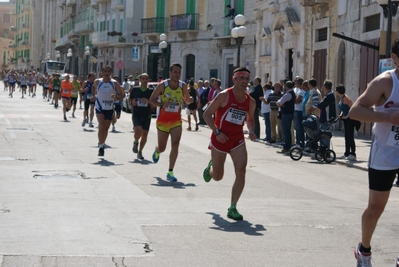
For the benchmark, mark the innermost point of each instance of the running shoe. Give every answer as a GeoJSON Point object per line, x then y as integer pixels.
{"type": "Point", "coordinates": [155, 156]}
{"type": "Point", "coordinates": [135, 147]}
{"type": "Point", "coordinates": [207, 176]}
{"type": "Point", "coordinates": [73, 115]}
{"type": "Point", "coordinates": [101, 152]}
{"type": "Point", "coordinates": [84, 122]}
{"type": "Point", "coordinates": [65, 119]}
{"type": "Point", "coordinates": [140, 155]}
{"type": "Point", "coordinates": [363, 259]}
{"type": "Point", "coordinates": [171, 177]}
{"type": "Point", "coordinates": [91, 124]}
{"type": "Point", "coordinates": [351, 158]}
{"type": "Point", "coordinates": [113, 128]}
{"type": "Point", "coordinates": [232, 213]}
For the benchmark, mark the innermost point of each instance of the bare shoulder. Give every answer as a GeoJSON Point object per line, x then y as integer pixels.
{"type": "Point", "coordinates": [378, 90]}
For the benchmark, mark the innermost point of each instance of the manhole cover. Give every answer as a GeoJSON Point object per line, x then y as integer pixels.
{"type": "Point", "coordinates": [58, 175]}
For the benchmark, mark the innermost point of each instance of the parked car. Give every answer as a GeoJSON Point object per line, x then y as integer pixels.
{"type": "Point", "coordinates": [127, 106]}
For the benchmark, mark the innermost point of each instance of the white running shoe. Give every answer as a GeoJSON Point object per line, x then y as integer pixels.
{"type": "Point", "coordinates": [351, 157]}
{"type": "Point", "coordinates": [113, 128]}
{"type": "Point", "coordinates": [363, 259]}
{"type": "Point", "coordinates": [91, 124]}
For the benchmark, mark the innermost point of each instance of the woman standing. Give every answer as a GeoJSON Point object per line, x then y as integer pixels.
{"type": "Point", "coordinates": [349, 125]}
{"type": "Point", "coordinates": [192, 108]}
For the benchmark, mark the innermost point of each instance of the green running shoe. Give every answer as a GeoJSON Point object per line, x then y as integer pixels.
{"type": "Point", "coordinates": [207, 176]}
{"type": "Point", "coordinates": [155, 156]}
{"type": "Point", "coordinates": [232, 213]}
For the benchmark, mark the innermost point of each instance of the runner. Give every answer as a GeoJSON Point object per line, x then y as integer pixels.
{"type": "Point", "coordinates": [12, 79]}
{"type": "Point", "coordinates": [82, 94]}
{"type": "Point", "coordinates": [117, 106]}
{"type": "Point", "coordinates": [56, 82]}
{"type": "Point", "coordinates": [45, 82]}
{"type": "Point", "coordinates": [232, 107]}
{"type": "Point", "coordinates": [23, 81]}
{"type": "Point", "coordinates": [5, 80]}
{"type": "Point", "coordinates": [33, 84]}
{"type": "Point", "coordinates": [75, 94]}
{"type": "Point", "coordinates": [66, 94]}
{"type": "Point", "coordinates": [105, 89]}
{"type": "Point", "coordinates": [172, 92]}
{"type": "Point", "coordinates": [89, 98]}
{"type": "Point", "coordinates": [141, 114]}
{"type": "Point", "coordinates": [379, 104]}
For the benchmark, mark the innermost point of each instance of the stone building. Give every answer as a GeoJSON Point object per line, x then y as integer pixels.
{"type": "Point", "coordinates": [7, 33]}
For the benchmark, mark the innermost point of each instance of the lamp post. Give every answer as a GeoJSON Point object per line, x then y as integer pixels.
{"type": "Point", "coordinates": [239, 34]}
{"type": "Point", "coordinates": [87, 54]}
{"type": "Point", "coordinates": [390, 9]}
{"type": "Point", "coordinates": [57, 55]}
{"type": "Point", "coordinates": [48, 56]}
{"type": "Point", "coordinates": [163, 45]}
{"type": "Point", "coordinates": [69, 55]}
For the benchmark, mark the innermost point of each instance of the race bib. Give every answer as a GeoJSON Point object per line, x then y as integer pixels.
{"type": "Point", "coordinates": [393, 138]}
{"type": "Point", "coordinates": [141, 103]}
{"type": "Point", "coordinates": [56, 87]}
{"type": "Point", "coordinates": [66, 91]}
{"type": "Point", "coordinates": [173, 107]}
{"type": "Point", "coordinates": [88, 96]}
{"type": "Point", "coordinates": [108, 104]}
{"type": "Point", "coordinates": [236, 116]}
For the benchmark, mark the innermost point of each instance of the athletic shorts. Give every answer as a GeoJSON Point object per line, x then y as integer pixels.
{"type": "Point", "coordinates": [64, 97]}
{"type": "Point", "coordinates": [232, 143]}
{"type": "Point", "coordinates": [56, 91]}
{"type": "Point", "coordinates": [45, 87]}
{"type": "Point", "coordinates": [11, 83]}
{"type": "Point", "coordinates": [118, 108]}
{"type": "Point", "coordinates": [143, 121]}
{"type": "Point", "coordinates": [108, 114]}
{"type": "Point", "coordinates": [88, 102]}
{"type": "Point", "coordinates": [381, 180]}
{"type": "Point", "coordinates": [167, 128]}
{"type": "Point", "coordinates": [74, 100]}
{"type": "Point", "coordinates": [23, 86]}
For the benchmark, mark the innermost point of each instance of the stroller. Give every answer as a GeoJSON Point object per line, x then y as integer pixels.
{"type": "Point", "coordinates": [317, 134]}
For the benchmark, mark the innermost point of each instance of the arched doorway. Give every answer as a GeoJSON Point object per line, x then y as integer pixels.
{"type": "Point", "coordinates": [190, 66]}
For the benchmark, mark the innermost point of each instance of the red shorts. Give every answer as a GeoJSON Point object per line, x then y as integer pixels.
{"type": "Point", "coordinates": [232, 143]}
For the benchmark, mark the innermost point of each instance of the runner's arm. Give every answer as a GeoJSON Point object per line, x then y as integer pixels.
{"type": "Point", "coordinates": [250, 119]}
{"type": "Point", "coordinates": [154, 96]}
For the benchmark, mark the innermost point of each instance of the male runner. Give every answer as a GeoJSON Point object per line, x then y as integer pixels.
{"type": "Point", "coordinates": [75, 94]}
{"type": "Point", "coordinates": [172, 92]}
{"type": "Point", "coordinates": [117, 106]}
{"type": "Point", "coordinates": [12, 79]}
{"type": "Point", "coordinates": [5, 80]}
{"type": "Point", "coordinates": [33, 84]}
{"type": "Point", "coordinates": [66, 94]}
{"type": "Point", "coordinates": [23, 81]}
{"type": "Point", "coordinates": [89, 99]}
{"type": "Point", "coordinates": [379, 104]}
{"type": "Point", "coordinates": [141, 114]}
{"type": "Point", "coordinates": [232, 107]}
{"type": "Point", "coordinates": [105, 90]}
{"type": "Point", "coordinates": [56, 82]}
{"type": "Point", "coordinates": [45, 81]}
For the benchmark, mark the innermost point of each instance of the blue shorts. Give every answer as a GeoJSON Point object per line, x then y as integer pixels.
{"type": "Point", "coordinates": [108, 114]}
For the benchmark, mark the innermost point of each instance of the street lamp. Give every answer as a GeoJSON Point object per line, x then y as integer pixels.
{"type": "Point", "coordinates": [57, 55]}
{"type": "Point", "coordinates": [239, 32]}
{"type": "Point", "coordinates": [163, 45]}
{"type": "Point", "coordinates": [87, 54]}
{"type": "Point", "coordinates": [48, 56]}
{"type": "Point", "coordinates": [69, 55]}
{"type": "Point", "coordinates": [390, 8]}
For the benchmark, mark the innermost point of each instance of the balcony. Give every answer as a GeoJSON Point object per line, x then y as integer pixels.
{"type": "Point", "coordinates": [70, 3]}
{"type": "Point", "coordinates": [100, 38]}
{"type": "Point", "coordinates": [126, 40]}
{"type": "Point", "coordinates": [61, 42]}
{"type": "Point", "coordinates": [25, 25]}
{"type": "Point", "coordinates": [84, 27]}
{"type": "Point", "coordinates": [184, 24]}
{"type": "Point", "coordinates": [94, 3]}
{"type": "Point", "coordinates": [118, 4]}
{"type": "Point", "coordinates": [314, 2]}
{"type": "Point", "coordinates": [153, 27]}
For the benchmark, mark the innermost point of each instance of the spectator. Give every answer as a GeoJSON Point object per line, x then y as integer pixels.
{"type": "Point", "coordinates": [256, 93]}
{"type": "Point", "coordinates": [274, 121]}
{"type": "Point", "coordinates": [298, 118]}
{"type": "Point", "coordinates": [265, 110]}
{"type": "Point", "coordinates": [327, 105]}
{"type": "Point", "coordinates": [211, 90]}
{"type": "Point", "coordinates": [201, 91]}
{"type": "Point", "coordinates": [231, 15]}
{"type": "Point", "coordinates": [313, 100]}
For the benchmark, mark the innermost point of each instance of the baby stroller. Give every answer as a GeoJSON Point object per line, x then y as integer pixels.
{"type": "Point", "coordinates": [316, 135]}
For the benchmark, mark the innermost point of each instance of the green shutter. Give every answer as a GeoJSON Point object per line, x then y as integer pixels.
{"type": "Point", "coordinates": [121, 25]}
{"type": "Point", "coordinates": [240, 7]}
{"type": "Point", "coordinates": [191, 6]}
{"type": "Point", "coordinates": [226, 21]}
{"type": "Point", "coordinates": [160, 10]}
{"type": "Point", "coordinates": [113, 24]}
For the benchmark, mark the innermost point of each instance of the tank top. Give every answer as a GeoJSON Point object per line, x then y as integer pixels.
{"type": "Point", "coordinates": [230, 118]}
{"type": "Point", "coordinates": [104, 100]}
{"type": "Point", "coordinates": [175, 98]}
{"type": "Point", "coordinates": [88, 93]}
{"type": "Point", "coordinates": [76, 87]}
{"type": "Point", "coordinates": [11, 79]}
{"type": "Point", "coordinates": [384, 153]}
{"type": "Point", "coordinates": [56, 84]}
{"type": "Point", "coordinates": [66, 89]}
{"type": "Point", "coordinates": [33, 80]}
{"type": "Point", "coordinates": [343, 107]}
{"type": "Point", "coordinates": [22, 78]}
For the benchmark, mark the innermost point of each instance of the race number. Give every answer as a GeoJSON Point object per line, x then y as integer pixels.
{"type": "Point", "coordinates": [393, 138]}
{"type": "Point", "coordinates": [173, 107]}
{"type": "Point", "coordinates": [236, 116]}
{"type": "Point", "coordinates": [141, 103]}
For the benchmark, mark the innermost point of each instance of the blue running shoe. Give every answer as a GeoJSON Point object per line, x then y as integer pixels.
{"type": "Point", "coordinates": [171, 177]}
{"type": "Point", "coordinates": [155, 156]}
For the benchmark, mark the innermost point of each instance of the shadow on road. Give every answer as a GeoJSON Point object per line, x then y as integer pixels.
{"type": "Point", "coordinates": [142, 162]}
{"type": "Point", "coordinates": [105, 163]}
{"type": "Point", "coordinates": [177, 185]}
{"type": "Point", "coordinates": [236, 226]}
{"type": "Point", "coordinates": [88, 130]}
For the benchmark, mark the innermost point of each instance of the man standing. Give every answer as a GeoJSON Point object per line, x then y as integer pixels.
{"type": "Point", "coordinates": [105, 90]}
{"type": "Point", "coordinates": [327, 105]}
{"type": "Point", "coordinates": [379, 104]}
{"type": "Point", "coordinates": [274, 121]}
{"type": "Point", "coordinates": [141, 114]}
{"type": "Point", "coordinates": [201, 94]}
{"type": "Point", "coordinates": [256, 94]}
{"type": "Point", "coordinates": [298, 118]}
{"type": "Point", "coordinates": [231, 108]}
{"type": "Point", "coordinates": [172, 92]}
{"type": "Point", "coordinates": [287, 105]}
{"type": "Point", "coordinates": [265, 110]}
{"type": "Point", "coordinates": [230, 15]}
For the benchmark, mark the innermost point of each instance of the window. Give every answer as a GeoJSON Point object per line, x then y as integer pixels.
{"type": "Point", "coordinates": [372, 23]}
{"type": "Point", "coordinates": [6, 18]}
{"type": "Point", "coordinates": [321, 34]}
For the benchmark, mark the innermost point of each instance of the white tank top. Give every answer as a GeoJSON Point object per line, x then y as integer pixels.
{"type": "Point", "coordinates": [104, 100]}
{"type": "Point", "coordinates": [384, 153]}
{"type": "Point", "coordinates": [22, 78]}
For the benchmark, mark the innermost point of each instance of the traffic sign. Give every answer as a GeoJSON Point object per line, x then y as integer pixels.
{"type": "Point", "coordinates": [119, 65]}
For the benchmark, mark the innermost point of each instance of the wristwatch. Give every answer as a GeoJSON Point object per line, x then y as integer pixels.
{"type": "Point", "coordinates": [216, 131]}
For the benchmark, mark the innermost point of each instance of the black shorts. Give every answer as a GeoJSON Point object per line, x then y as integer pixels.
{"type": "Point", "coordinates": [143, 121]}
{"type": "Point", "coordinates": [118, 108]}
{"type": "Point", "coordinates": [381, 180]}
{"type": "Point", "coordinates": [74, 100]}
{"type": "Point", "coordinates": [23, 86]}
{"type": "Point", "coordinates": [88, 102]}
{"type": "Point", "coordinates": [108, 114]}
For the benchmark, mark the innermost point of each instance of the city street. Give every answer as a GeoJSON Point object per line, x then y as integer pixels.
{"type": "Point", "coordinates": [62, 205]}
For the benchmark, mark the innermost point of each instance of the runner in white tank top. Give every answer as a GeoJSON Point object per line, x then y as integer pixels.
{"type": "Point", "coordinates": [382, 95]}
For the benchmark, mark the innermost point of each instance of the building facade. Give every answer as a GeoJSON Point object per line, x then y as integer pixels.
{"type": "Point", "coordinates": [7, 34]}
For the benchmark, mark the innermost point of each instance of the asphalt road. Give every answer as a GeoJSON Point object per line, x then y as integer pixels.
{"type": "Point", "coordinates": [62, 205]}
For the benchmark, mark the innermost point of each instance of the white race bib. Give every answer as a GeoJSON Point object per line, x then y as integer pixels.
{"type": "Point", "coordinates": [88, 96]}
{"type": "Point", "coordinates": [393, 138]}
{"type": "Point", "coordinates": [173, 107]}
{"type": "Point", "coordinates": [56, 87]}
{"type": "Point", "coordinates": [66, 91]}
{"type": "Point", "coordinates": [108, 104]}
{"type": "Point", "coordinates": [141, 103]}
{"type": "Point", "coordinates": [236, 116]}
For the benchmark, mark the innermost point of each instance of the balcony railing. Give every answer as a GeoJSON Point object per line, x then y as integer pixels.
{"type": "Point", "coordinates": [184, 22]}
{"type": "Point", "coordinates": [118, 4]}
{"type": "Point", "coordinates": [84, 26]}
{"type": "Point", "coordinates": [153, 25]}
{"type": "Point", "coordinates": [100, 37]}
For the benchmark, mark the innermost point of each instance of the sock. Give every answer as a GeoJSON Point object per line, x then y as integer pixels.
{"type": "Point", "coordinates": [365, 250]}
{"type": "Point", "coordinates": [170, 172]}
{"type": "Point", "coordinates": [136, 142]}
{"type": "Point", "coordinates": [233, 206]}
{"type": "Point", "coordinates": [101, 145]}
